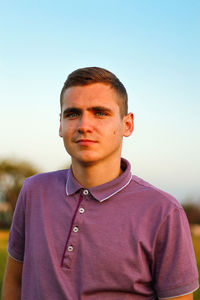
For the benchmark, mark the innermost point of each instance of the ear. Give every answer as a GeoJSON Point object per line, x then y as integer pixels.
{"type": "Point", "coordinates": [60, 127]}
{"type": "Point", "coordinates": [128, 121]}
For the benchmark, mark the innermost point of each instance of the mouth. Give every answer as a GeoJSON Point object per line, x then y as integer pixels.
{"type": "Point", "coordinates": [85, 142]}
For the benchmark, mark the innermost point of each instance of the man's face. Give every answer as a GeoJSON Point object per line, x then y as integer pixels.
{"type": "Point", "coordinates": [91, 125]}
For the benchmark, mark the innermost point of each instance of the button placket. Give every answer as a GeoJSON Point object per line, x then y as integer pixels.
{"type": "Point", "coordinates": [72, 242]}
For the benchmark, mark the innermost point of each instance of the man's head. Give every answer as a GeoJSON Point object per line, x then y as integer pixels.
{"type": "Point", "coordinates": [94, 118]}
{"type": "Point", "coordinates": [91, 75]}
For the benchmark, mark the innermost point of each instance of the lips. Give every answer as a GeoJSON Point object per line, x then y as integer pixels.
{"type": "Point", "coordinates": [85, 142]}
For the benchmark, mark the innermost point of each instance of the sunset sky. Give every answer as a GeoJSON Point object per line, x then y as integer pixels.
{"type": "Point", "coordinates": [152, 46]}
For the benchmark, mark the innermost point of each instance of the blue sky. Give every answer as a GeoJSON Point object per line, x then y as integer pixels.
{"type": "Point", "coordinates": [152, 46]}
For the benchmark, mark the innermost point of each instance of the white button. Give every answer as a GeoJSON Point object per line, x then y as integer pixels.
{"type": "Point", "coordinates": [75, 229]}
{"type": "Point", "coordinates": [81, 210]}
{"type": "Point", "coordinates": [70, 248]}
{"type": "Point", "coordinates": [85, 192]}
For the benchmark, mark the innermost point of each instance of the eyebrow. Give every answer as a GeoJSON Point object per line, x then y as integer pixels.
{"type": "Point", "coordinates": [93, 108]}
{"type": "Point", "coordinates": [99, 108]}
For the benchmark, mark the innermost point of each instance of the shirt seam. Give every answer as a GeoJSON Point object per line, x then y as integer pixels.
{"type": "Point", "coordinates": [187, 293]}
{"type": "Point", "coordinates": [175, 288]}
{"type": "Point", "coordinates": [14, 257]}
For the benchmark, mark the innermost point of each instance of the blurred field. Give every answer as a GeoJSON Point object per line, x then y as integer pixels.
{"type": "Point", "coordinates": [196, 244]}
{"type": "Point", "coordinates": [3, 256]}
{"type": "Point", "coordinates": [3, 253]}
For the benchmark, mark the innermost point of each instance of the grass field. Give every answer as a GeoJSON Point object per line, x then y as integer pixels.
{"type": "Point", "coordinates": [3, 256]}
{"type": "Point", "coordinates": [3, 253]}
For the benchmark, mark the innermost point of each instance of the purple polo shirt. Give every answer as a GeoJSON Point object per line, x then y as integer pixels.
{"type": "Point", "coordinates": [121, 240]}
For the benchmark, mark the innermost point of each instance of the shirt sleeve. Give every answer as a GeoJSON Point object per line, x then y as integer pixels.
{"type": "Point", "coordinates": [16, 240]}
{"type": "Point", "coordinates": [175, 269]}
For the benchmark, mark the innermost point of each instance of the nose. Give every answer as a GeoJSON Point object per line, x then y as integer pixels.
{"type": "Point", "coordinates": [85, 123]}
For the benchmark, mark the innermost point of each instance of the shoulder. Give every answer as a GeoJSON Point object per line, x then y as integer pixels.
{"type": "Point", "coordinates": [154, 194]}
{"type": "Point", "coordinates": [48, 178]}
{"type": "Point", "coordinates": [43, 186]}
{"type": "Point", "coordinates": [152, 201]}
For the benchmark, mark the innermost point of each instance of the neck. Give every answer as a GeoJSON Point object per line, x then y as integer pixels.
{"type": "Point", "coordinates": [93, 175]}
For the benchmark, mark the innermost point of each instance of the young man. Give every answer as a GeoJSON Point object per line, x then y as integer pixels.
{"type": "Point", "coordinates": [95, 231]}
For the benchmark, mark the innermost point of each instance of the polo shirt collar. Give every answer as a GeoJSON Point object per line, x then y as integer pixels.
{"type": "Point", "coordinates": [103, 191]}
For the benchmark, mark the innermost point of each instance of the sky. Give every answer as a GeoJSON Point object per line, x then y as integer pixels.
{"type": "Point", "coordinates": [152, 46]}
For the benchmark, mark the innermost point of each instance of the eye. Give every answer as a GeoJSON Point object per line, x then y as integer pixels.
{"type": "Point", "coordinates": [100, 113]}
{"type": "Point", "coordinates": [71, 115]}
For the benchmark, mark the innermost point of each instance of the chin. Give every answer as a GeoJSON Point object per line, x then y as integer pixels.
{"type": "Point", "coordinates": [86, 160]}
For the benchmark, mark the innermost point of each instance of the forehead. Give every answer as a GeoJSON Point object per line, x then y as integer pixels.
{"type": "Point", "coordinates": [90, 95]}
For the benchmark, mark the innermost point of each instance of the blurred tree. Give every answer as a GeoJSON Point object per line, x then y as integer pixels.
{"type": "Point", "coordinates": [12, 176]}
{"type": "Point", "coordinates": [192, 211]}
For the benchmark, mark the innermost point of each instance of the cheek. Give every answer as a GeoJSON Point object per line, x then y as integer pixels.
{"type": "Point", "coordinates": [117, 131]}
{"type": "Point", "coordinates": [68, 129]}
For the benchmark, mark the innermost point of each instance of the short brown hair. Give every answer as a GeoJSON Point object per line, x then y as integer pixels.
{"type": "Point", "coordinates": [90, 75]}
